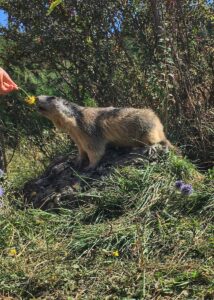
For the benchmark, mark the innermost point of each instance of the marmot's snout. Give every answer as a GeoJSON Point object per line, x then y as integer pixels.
{"type": "Point", "coordinates": [45, 103]}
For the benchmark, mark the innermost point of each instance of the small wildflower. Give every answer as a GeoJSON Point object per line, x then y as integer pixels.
{"type": "Point", "coordinates": [30, 100]}
{"type": "Point", "coordinates": [75, 184]}
{"type": "Point", "coordinates": [1, 191]}
{"type": "Point", "coordinates": [115, 253]}
{"type": "Point", "coordinates": [186, 189]}
{"type": "Point", "coordinates": [33, 194]}
{"type": "Point", "coordinates": [179, 184]}
{"type": "Point", "coordinates": [74, 181]}
{"type": "Point", "coordinates": [73, 12]}
{"type": "Point", "coordinates": [53, 278]}
{"type": "Point", "coordinates": [89, 40]}
{"type": "Point", "coordinates": [39, 222]}
{"type": "Point", "coordinates": [12, 252]}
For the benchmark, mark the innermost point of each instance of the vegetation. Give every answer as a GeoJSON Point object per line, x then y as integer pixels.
{"type": "Point", "coordinates": [135, 235]}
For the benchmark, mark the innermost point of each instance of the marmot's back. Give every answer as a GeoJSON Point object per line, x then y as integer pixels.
{"type": "Point", "coordinates": [126, 126]}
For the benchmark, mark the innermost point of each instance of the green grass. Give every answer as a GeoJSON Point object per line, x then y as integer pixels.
{"type": "Point", "coordinates": [164, 239]}
{"type": "Point", "coordinates": [29, 160]}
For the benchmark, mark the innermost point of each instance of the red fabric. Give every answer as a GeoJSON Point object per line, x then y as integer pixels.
{"type": "Point", "coordinates": [6, 83]}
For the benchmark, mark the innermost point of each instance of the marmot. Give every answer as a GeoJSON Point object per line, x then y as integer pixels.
{"type": "Point", "coordinates": [92, 129]}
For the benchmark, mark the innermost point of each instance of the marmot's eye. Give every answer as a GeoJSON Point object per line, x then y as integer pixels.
{"type": "Point", "coordinates": [50, 98]}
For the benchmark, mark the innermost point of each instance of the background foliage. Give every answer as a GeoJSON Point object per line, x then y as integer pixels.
{"type": "Point", "coordinates": [138, 53]}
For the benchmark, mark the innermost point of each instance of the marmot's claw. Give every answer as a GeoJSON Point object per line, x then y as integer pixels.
{"type": "Point", "coordinates": [89, 169]}
{"type": "Point", "coordinates": [78, 164]}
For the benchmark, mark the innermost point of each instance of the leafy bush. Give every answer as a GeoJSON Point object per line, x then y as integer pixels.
{"type": "Point", "coordinates": [155, 53]}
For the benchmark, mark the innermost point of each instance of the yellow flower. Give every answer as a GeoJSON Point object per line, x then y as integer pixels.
{"type": "Point", "coordinates": [89, 40]}
{"type": "Point", "coordinates": [30, 100]}
{"type": "Point", "coordinates": [12, 252]}
{"type": "Point", "coordinates": [33, 194]}
{"type": "Point", "coordinates": [115, 253]}
{"type": "Point", "coordinates": [53, 278]}
{"type": "Point", "coordinates": [39, 222]}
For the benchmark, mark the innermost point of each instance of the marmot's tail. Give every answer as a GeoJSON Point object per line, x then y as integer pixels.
{"type": "Point", "coordinates": [166, 143]}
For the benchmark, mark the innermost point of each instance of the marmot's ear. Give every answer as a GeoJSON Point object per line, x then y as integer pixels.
{"type": "Point", "coordinates": [49, 98]}
{"type": "Point", "coordinates": [45, 98]}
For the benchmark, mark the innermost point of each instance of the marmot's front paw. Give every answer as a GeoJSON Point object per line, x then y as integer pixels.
{"type": "Point", "coordinates": [89, 169]}
{"type": "Point", "coordinates": [78, 164]}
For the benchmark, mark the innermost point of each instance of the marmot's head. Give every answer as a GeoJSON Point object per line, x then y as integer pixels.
{"type": "Point", "coordinates": [53, 107]}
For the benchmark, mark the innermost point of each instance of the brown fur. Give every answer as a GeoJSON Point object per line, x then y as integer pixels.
{"type": "Point", "coordinates": [93, 128]}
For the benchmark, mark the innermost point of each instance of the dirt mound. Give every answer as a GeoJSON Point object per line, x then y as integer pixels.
{"type": "Point", "coordinates": [61, 183]}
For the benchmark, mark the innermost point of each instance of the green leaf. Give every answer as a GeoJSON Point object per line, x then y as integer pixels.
{"type": "Point", "coordinates": [53, 5]}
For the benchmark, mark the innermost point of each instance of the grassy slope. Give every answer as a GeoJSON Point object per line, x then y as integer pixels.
{"type": "Point", "coordinates": [164, 239]}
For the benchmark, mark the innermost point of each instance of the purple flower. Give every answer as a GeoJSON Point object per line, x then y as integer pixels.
{"type": "Point", "coordinates": [1, 191]}
{"type": "Point", "coordinates": [179, 184]}
{"type": "Point", "coordinates": [186, 189]}
{"type": "Point", "coordinates": [73, 12]}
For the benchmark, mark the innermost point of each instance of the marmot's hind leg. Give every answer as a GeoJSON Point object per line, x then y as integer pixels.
{"type": "Point", "coordinates": [166, 144]}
